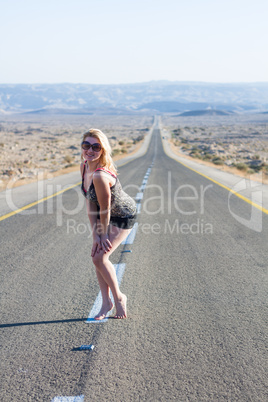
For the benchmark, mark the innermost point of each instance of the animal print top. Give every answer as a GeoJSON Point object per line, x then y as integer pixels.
{"type": "Point", "coordinates": [123, 207]}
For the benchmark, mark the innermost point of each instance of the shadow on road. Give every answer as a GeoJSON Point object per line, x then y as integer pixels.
{"type": "Point", "coordinates": [20, 324]}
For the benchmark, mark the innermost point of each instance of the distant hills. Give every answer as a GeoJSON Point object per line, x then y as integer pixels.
{"type": "Point", "coordinates": [149, 97]}
{"type": "Point", "coordinates": [209, 112]}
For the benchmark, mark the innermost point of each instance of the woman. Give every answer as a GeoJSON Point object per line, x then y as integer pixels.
{"type": "Point", "coordinates": [111, 214]}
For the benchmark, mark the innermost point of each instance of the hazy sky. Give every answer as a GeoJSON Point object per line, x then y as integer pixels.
{"type": "Point", "coordinates": [127, 41]}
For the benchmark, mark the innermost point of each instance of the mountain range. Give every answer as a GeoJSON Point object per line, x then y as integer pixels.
{"type": "Point", "coordinates": [149, 97]}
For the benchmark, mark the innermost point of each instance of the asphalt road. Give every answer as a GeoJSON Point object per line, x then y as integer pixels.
{"type": "Point", "coordinates": [196, 281]}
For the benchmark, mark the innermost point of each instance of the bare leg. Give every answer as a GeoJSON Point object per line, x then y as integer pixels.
{"type": "Point", "coordinates": [107, 303]}
{"type": "Point", "coordinates": [107, 277]}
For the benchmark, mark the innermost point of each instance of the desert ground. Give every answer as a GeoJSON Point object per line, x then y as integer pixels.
{"type": "Point", "coordinates": [235, 143]}
{"type": "Point", "coordinates": [34, 147]}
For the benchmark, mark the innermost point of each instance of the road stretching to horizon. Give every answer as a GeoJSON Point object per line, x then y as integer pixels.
{"type": "Point", "coordinates": [195, 274]}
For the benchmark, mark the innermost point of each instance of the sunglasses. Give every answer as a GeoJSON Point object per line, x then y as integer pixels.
{"type": "Point", "coordinates": [95, 147]}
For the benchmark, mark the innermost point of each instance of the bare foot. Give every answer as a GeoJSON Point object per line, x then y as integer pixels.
{"type": "Point", "coordinates": [121, 307]}
{"type": "Point", "coordinates": [105, 308]}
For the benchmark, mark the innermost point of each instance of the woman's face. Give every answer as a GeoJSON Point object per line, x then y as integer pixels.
{"type": "Point", "coordinates": [91, 155]}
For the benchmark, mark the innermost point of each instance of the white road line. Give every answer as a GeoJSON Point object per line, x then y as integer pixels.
{"type": "Point", "coordinates": [79, 398]}
{"type": "Point", "coordinates": [132, 234]}
{"type": "Point", "coordinates": [119, 268]}
{"type": "Point", "coordinates": [139, 196]}
{"type": "Point", "coordinates": [139, 208]}
{"type": "Point", "coordinates": [142, 188]}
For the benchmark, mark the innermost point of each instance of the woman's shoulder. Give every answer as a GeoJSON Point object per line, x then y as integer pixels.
{"type": "Point", "coordinates": [102, 175]}
{"type": "Point", "coordinates": [103, 171]}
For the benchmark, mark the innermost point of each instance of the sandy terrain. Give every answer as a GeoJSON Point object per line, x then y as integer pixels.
{"type": "Point", "coordinates": [33, 147]}
{"type": "Point", "coordinates": [237, 144]}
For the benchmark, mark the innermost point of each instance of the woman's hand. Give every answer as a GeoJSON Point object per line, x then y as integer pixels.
{"type": "Point", "coordinates": [105, 243]}
{"type": "Point", "coordinates": [96, 246]}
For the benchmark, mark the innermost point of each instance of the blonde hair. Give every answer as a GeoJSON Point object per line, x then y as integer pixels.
{"type": "Point", "coordinates": [106, 156]}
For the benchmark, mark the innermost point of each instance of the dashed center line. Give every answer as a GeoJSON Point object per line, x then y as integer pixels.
{"type": "Point", "coordinates": [139, 196]}
{"type": "Point", "coordinates": [138, 208]}
{"type": "Point", "coordinates": [79, 398]}
{"type": "Point", "coordinates": [131, 236]}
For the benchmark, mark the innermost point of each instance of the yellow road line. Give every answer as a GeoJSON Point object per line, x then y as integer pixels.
{"type": "Point", "coordinates": [219, 184]}
{"type": "Point", "coordinates": [36, 202]}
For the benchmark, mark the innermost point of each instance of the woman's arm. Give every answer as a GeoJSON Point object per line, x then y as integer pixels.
{"type": "Point", "coordinates": [92, 213]}
{"type": "Point", "coordinates": [103, 193]}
